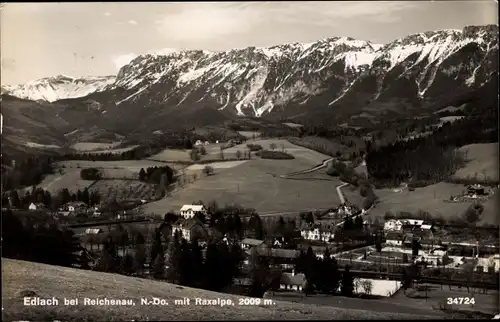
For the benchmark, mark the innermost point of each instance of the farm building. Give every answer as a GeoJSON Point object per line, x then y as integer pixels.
{"type": "Point", "coordinates": [475, 190]}
{"type": "Point", "coordinates": [393, 224]}
{"type": "Point", "coordinates": [37, 206]}
{"type": "Point", "coordinates": [292, 281]}
{"type": "Point", "coordinates": [75, 206]}
{"type": "Point", "coordinates": [189, 228]}
{"type": "Point", "coordinates": [394, 239]}
{"type": "Point", "coordinates": [93, 231]}
{"type": "Point", "coordinates": [188, 211]}
{"type": "Point", "coordinates": [248, 243]}
{"type": "Point", "coordinates": [323, 231]}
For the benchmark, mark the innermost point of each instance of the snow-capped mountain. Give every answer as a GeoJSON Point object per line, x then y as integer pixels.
{"type": "Point", "coordinates": [59, 87]}
{"type": "Point", "coordinates": [292, 78]}
{"type": "Point", "coordinates": [332, 78]}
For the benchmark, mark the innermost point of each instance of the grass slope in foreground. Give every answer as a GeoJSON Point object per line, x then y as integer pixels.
{"type": "Point", "coordinates": [48, 281]}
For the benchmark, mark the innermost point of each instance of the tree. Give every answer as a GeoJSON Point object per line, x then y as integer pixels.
{"type": "Point", "coordinates": [139, 257]}
{"type": "Point", "coordinates": [212, 268]}
{"type": "Point", "coordinates": [415, 247]}
{"type": "Point", "coordinates": [174, 257]}
{"type": "Point", "coordinates": [208, 170]}
{"type": "Point", "coordinates": [347, 283]}
{"type": "Point", "coordinates": [474, 213]}
{"type": "Point", "coordinates": [405, 258]}
{"type": "Point", "coordinates": [107, 260]}
{"type": "Point", "coordinates": [221, 154]}
{"type": "Point", "coordinates": [194, 154]}
{"type": "Point", "coordinates": [272, 146]}
{"type": "Point", "coordinates": [378, 243]}
{"type": "Point", "coordinates": [256, 227]}
{"type": "Point", "coordinates": [238, 154]}
{"type": "Point", "coordinates": [196, 263]}
{"type": "Point", "coordinates": [142, 175]}
{"type": "Point", "coordinates": [14, 198]}
{"type": "Point", "coordinates": [203, 151]}
{"type": "Point", "coordinates": [367, 286]}
{"type": "Point", "coordinates": [329, 273]}
{"type": "Point", "coordinates": [157, 246]}
{"type": "Point", "coordinates": [159, 266]}
{"type": "Point", "coordinates": [127, 264]}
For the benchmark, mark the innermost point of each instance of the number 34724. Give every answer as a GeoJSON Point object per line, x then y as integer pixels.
{"type": "Point", "coordinates": [460, 300]}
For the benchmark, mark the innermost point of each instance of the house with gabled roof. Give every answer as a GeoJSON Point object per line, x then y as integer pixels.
{"type": "Point", "coordinates": [292, 282]}
{"type": "Point", "coordinates": [189, 211]}
{"type": "Point", "coordinates": [248, 243]}
{"type": "Point", "coordinates": [189, 228]}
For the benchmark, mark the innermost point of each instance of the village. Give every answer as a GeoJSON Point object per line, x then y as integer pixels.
{"type": "Point", "coordinates": [375, 252]}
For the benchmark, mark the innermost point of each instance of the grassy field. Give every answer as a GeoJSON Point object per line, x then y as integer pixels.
{"type": "Point", "coordinates": [63, 178]}
{"type": "Point", "coordinates": [250, 134]}
{"type": "Point", "coordinates": [93, 146]}
{"type": "Point", "coordinates": [171, 155]}
{"type": "Point", "coordinates": [45, 281]}
{"type": "Point", "coordinates": [252, 184]}
{"type": "Point", "coordinates": [114, 151]}
{"type": "Point", "coordinates": [382, 305]}
{"type": "Point", "coordinates": [482, 162]}
{"type": "Point", "coordinates": [132, 165]}
{"type": "Point", "coordinates": [485, 303]}
{"type": "Point", "coordinates": [430, 199]}
{"type": "Point", "coordinates": [124, 189]}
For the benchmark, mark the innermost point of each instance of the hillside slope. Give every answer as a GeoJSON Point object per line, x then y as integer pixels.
{"type": "Point", "coordinates": [20, 277]}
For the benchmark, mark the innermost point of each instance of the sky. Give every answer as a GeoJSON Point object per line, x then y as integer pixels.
{"type": "Point", "coordinates": [93, 39]}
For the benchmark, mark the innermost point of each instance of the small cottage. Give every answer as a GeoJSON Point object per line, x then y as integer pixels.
{"type": "Point", "coordinates": [248, 243]}
{"type": "Point", "coordinates": [37, 206]}
{"type": "Point", "coordinates": [292, 282]}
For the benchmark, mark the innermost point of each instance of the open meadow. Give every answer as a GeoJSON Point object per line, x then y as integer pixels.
{"type": "Point", "coordinates": [250, 134]}
{"type": "Point", "coordinates": [256, 183]}
{"type": "Point", "coordinates": [63, 178]}
{"type": "Point", "coordinates": [482, 162]}
{"type": "Point", "coordinates": [20, 278]}
{"type": "Point", "coordinates": [94, 146]}
{"type": "Point", "coordinates": [114, 151]}
{"type": "Point", "coordinates": [433, 199]}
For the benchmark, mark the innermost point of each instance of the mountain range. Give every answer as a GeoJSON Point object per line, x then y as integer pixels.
{"type": "Point", "coordinates": [329, 80]}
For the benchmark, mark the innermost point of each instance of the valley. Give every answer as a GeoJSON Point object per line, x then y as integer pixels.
{"type": "Point", "coordinates": [336, 178]}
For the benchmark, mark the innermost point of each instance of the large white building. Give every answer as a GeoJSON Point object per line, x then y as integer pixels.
{"type": "Point", "coordinates": [188, 211]}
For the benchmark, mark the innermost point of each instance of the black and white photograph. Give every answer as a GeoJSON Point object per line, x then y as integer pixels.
{"type": "Point", "coordinates": [263, 160]}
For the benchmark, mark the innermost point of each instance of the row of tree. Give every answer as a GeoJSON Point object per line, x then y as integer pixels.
{"type": "Point", "coordinates": [39, 195]}
{"type": "Point", "coordinates": [323, 275]}
{"type": "Point", "coordinates": [162, 176]}
{"type": "Point", "coordinates": [26, 172]}
{"type": "Point", "coordinates": [38, 239]}
{"type": "Point", "coordinates": [427, 159]}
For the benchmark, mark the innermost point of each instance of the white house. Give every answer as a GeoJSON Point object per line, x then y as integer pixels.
{"type": "Point", "coordinates": [412, 222]}
{"type": "Point", "coordinates": [36, 206]}
{"type": "Point", "coordinates": [32, 206]}
{"type": "Point", "coordinates": [392, 224]}
{"type": "Point", "coordinates": [292, 282]}
{"type": "Point", "coordinates": [188, 228]}
{"type": "Point", "coordinates": [93, 231]}
{"type": "Point", "coordinates": [317, 234]}
{"type": "Point", "coordinates": [206, 143]}
{"type": "Point", "coordinates": [188, 211]}
{"type": "Point", "coordinates": [394, 239]}
{"type": "Point", "coordinates": [198, 142]}
{"type": "Point", "coordinates": [248, 243]}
